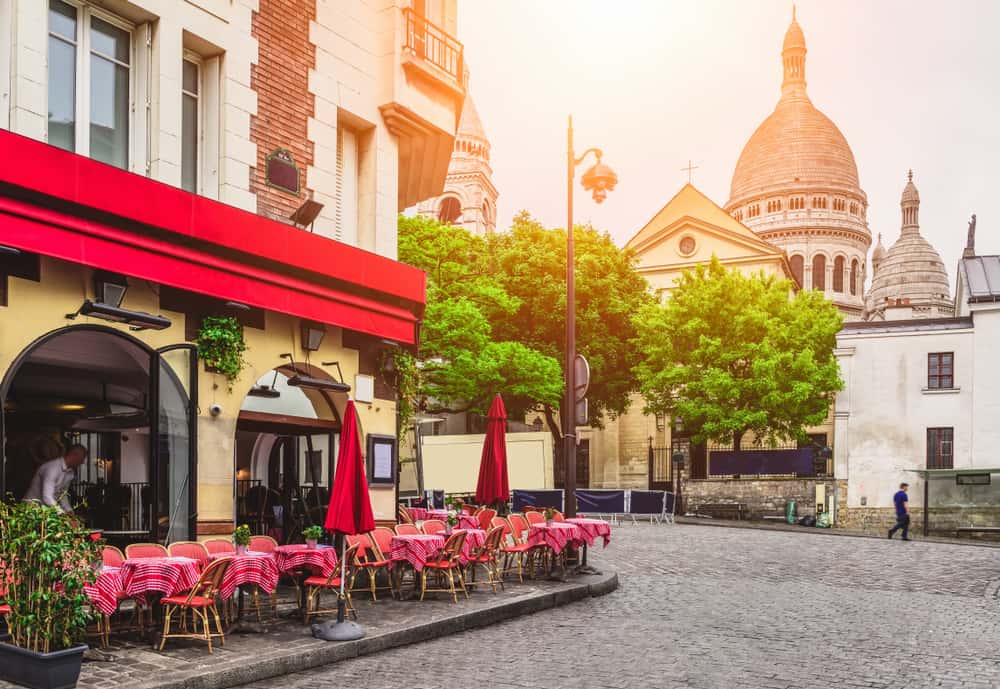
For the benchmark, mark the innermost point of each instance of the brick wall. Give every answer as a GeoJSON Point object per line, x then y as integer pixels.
{"type": "Point", "coordinates": [284, 102]}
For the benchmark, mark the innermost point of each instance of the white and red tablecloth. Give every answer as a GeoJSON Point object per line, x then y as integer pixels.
{"type": "Point", "coordinates": [103, 593]}
{"type": "Point", "coordinates": [416, 549]}
{"type": "Point", "coordinates": [591, 529]}
{"type": "Point", "coordinates": [166, 575]}
{"type": "Point", "coordinates": [291, 558]}
{"type": "Point", "coordinates": [252, 568]}
{"type": "Point", "coordinates": [474, 540]}
{"type": "Point", "coordinates": [418, 513]}
{"type": "Point", "coordinates": [556, 536]}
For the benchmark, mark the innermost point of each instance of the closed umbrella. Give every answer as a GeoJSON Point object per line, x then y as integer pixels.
{"type": "Point", "coordinates": [493, 485]}
{"type": "Point", "coordinates": [349, 512]}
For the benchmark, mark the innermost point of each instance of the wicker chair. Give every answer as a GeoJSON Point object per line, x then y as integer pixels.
{"type": "Point", "coordinates": [485, 517]}
{"type": "Point", "coordinates": [262, 544]}
{"type": "Point", "coordinates": [219, 546]}
{"type": "Point", "coordinates": [140, 550]}
{"type": "Point", "coordinates": [371, 560]}
{"type": "Point", "coordinates": [486, 557]}
{"type": "Point", "coordinates": [112, 557]}
{"type": "Point", "coordinates": [191, 549]}
{"type": "Point", "coordinates": [446, 567]}
{"type": "Point", "coordinates": [200, 601]}
{"type": "Point", "coordinates": [433, 526]}
{"type": "Point", "coordinates": [315, 586]}
{"type": "Point", "coordinates": [518, 551]}
{"type": "Point", "coordinates": [406, 530]}
{"type": "Point", "coordinates": [404, 515]}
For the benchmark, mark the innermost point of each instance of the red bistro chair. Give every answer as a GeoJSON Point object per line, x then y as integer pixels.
{"type": "Point", "coordinates": [200, 600]}
{"type": "Point", "coordinates": [518, 551]}
{"type": "Point", "coordinates": [111, 556]}
{"type": "Point", "coordinates": [370, 560]}
{"type": "Point", "coordinates": [486, 557]}
{"type": "Point", "coordinates": [446, 566]}
{"type": "Point", "coordinates": [219, 546]}
{"type": "Point", "coordinates": [433, 526]}
{"type": "Point", "coordinates": [407, 530]}
{"type": "Point", "coordinates": [262, 544]}
{"type": "Point", "coordinates": [140, 550]}
{"type": "Point", "coordinates": [485, 517]}
{"type": "Point", "coordinates": [534, 517]}
{"type": "Point", "coordinates": [317, 584]}
{"type": "Point", "coordinates": [191, 549]}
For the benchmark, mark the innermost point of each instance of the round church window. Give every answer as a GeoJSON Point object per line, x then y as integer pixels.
{"type": "Point", "coordinates": [687, 246]}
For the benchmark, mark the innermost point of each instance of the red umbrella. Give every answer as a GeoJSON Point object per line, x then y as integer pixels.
{"type": "Point", "coordinates": [493, 485]}
{"type": "Point", "coordinates": [350, 510]}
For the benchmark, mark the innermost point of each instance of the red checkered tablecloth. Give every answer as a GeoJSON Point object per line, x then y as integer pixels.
{"type": "Point", "coordinates": [320, 560]}
{"type": "Point", "coordinates": [474, 539]}
{"type": "Point", "coordinates": [557, 536]}
{"type": "Point", "coordinates": [592, 528]}
{"type": "Point", "coordinates": [416, 549]}
{"type": "Point", "coordinates": [252, 568]}
{"type": "Point", "coordinates": [418, 513]}
{"type": "Point", "coordinates": [103, 593]}
{"type": "Point", "coordinates": [166, 575]}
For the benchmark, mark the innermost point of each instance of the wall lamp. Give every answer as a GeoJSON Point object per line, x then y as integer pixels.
{"type": "Point", "coordinates": [312, 335]}
{"type": "Point", "coordinates": [109, 288]}
{"type": "Point", "coordinates": [306, 214]}
{"type": "Point", "coordinates": [139, 320]}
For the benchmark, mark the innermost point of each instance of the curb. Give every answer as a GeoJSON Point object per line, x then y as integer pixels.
{"type": "Point", "coordinates": [329, 653]}
{"type": "Point", "coordinates": [813, 531]}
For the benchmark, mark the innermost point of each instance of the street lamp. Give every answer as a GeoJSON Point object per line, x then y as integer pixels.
{"type": "Point", "coordinates": [599, 180]}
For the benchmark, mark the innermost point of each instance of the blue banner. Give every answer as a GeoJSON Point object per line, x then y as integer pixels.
{"type": "Point", "coordinates": [537, 498]}
{"type": "Point", "coordinates": [600, 501]}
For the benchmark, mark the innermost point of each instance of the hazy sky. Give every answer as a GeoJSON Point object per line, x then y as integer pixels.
{"type": "Point", "coordinates": [910, 83]}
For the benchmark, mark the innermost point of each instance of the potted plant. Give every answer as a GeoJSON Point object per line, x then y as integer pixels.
{"type": "Point", "coordinates": [241, 538]}
{"type": "Point", "coordinates": [451, 523]}
{"type": "Point", "coordinates": [221, 346]}
{"type": "Point", "coordinates": [49, 558]}
{"type": "Point", "coordinates": [312, 534]}
{"type": "Point", "coordinates": [549, 513]}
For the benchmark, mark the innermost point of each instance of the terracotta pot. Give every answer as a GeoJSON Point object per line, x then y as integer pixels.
{"type": "Point", "coordinates": [311, 542]}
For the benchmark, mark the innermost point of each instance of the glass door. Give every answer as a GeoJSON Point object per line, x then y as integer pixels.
{"type": "Point", "coordinates": [175, 445]}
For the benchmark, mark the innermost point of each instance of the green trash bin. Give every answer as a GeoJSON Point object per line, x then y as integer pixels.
{"type": "Point", "coordinates": [790, 512]}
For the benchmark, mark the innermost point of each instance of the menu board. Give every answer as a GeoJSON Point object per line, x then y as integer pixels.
{"type": "Point", "coordinates": [382, 450]}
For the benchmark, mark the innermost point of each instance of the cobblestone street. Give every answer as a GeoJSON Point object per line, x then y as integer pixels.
{"type": "Point", "coordinates": [717, 608]}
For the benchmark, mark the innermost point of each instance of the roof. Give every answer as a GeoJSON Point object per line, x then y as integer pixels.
{"type": "Point", "coordinates": [982, 278]}
{"type": "Point", "coordinates": [906, 325]}
{"type": "Point", "coordinates": [689, 202]}
{"type": "Point", "coordinates": [469, 124]}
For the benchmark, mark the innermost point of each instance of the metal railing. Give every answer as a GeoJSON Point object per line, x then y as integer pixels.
{"type": "Point", "coordinates": [114, 506]}
{"type": "Point", "coordinates": [429, 42]}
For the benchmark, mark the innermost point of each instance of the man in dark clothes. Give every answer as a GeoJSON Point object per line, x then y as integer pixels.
{"type": "Point", "coordinates": [902, 512]}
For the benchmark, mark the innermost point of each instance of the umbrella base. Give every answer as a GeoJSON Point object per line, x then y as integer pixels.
{"type": "Point", "coordinates": [338, 631]}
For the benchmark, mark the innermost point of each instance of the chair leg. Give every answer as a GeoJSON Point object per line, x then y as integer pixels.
{"type": "Point", "coordinates": [167, 612]}
{"type": "Point", "coordinates": [206, 629]}
{"type": "Point", "coordinates": [218, 625]}
{"type": "Point", "coordinates": [461, 581]}
{"type": "Point", "coordinates": [423, 583]}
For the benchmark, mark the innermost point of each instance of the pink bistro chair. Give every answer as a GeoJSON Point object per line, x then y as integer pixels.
{"type": "Point", "coordinates": [112, 557]}
{"type": "Point", "coordinates": [262, 544]}
{"type": "Point", "coordinates": [407, 530]}
{"type": "Point", "coordinates": [433, 526]}
{"type": "Point", "coordinates": [140, 550]}
{"type": "Point", "coordinates": [191, 549]}
{"type": "Point", "coordinates": [534, 518]}
{"type": "Point", "coordinates": [219, 546]}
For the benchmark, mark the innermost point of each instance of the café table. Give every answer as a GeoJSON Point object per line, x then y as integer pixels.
{"type": "Point", "coordinates": [163, 575]}
{"type": "Point", "coordinates": [252, 567]}
{"type": "Point", "coordinates": [467, 521]}
{"type": "Point", "coordinates": [418, 513]}
{"type": "Point", "coordinates": [415, 549]}
{"type": "Point", "coordinates": [474, 539]}
{"type": "Point", "coordinates": [104, 592]}
{"type": "Point", "coordinates": [591, 529]}
{"type": "Point", "coordinates": [557, 535]}
{"type": "Point", "coordinates": [298, 560]}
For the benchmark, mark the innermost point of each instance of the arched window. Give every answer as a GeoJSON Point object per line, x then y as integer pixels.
{"type": "Point", "coordinates": [798, 263]}
{"type": "Point", "coordinates": [854, 276]}
{"type": "Point", "coordinates": [450, 210]}
{"type": "Point", "coordinates": [487, 214]}
{"type": "Point", "coordinates": [838, 274]}
{"type": "Point", "coordinates": [819, 272]}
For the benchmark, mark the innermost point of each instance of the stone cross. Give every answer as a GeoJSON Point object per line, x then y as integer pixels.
{"type": "Point", "coordinates": [688, 169]}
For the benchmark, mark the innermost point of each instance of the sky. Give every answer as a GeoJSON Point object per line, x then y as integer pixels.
{"type": "Point", "coordinates": [655, 83]}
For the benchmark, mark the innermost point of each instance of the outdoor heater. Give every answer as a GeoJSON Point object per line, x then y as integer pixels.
{"type": "Point", "coordinates": [139, 320]}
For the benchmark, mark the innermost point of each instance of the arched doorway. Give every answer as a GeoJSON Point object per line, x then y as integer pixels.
{"type": "Point", "coordinates": [287, 437]}
{"type": "Point", "coordinates": [133, 407]}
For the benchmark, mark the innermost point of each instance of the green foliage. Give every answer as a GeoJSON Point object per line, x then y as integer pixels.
{"type": "Point", "coordinates": [495, 318]}
{"type": "Point", "coordinates": [221, 346]}
{"type": "Point", "coordinates": [48, 560]}
{"type": "Point", "coordinates": [731, 354]}
{"type": "Point", "coordinates": [241, 535]}
{"type": "Point", "coordinates": [312, 533]}
{"type": "Point", "coordinates": [407, 382]}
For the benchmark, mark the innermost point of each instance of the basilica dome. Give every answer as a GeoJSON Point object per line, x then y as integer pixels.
{"type": "Point", "coordinates": [911, 274]}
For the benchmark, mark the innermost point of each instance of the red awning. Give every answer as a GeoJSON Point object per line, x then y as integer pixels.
{"type": "Point", "coordinates": [205, 255]}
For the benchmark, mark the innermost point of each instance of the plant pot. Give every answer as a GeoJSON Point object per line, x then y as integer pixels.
{"type": "Point", "coordinates": [310, 542]}
{"type": "Point", "coordinates": [548, 522]}
{"type": "Point", "coordinates": [448, 529]}
{"type": "Point", "coordinates": [241, 550]}
{"type": "Point", "coordinates": [55, 670]}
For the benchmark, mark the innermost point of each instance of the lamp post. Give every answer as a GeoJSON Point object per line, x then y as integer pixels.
{"type": "Point", "coordinates": [599, 180]}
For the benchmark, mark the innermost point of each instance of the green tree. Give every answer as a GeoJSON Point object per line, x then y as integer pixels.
{"type": "Point", "coordinates": [733, 354]}
{"type": "Point", "coordinates": [530, 263]}
{"type": "Point", "coordinates": [462, 360]}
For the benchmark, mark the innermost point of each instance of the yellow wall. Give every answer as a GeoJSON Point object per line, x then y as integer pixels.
{"type": "Point", "coordinates": [451, 462]}
{"type": "Point", "coordinates": [37, 308]}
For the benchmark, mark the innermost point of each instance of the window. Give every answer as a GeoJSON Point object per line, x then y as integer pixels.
{"type": "Point", "coordinates": [854, 276]}
{"type": "Point", "coordinates": [450, 210]}
{"type": "Point", "coordinates": [797, 266]}
{"type": "Point", "coordinates": [819, 272]}
{"type": "Point", "coordinates": [797, 203]}
{"type": "Point", "coordinates": [941, 370]}
{"type": "Point", "coordinates": [819, 202]}
{"type": "Point", "coordinates": [838, 274]}
{"type": "Point", "coordinates": [190, 124]}
{"type": "Point", "coordinates": [940, 448]}
{"type": "Point", "coordinates": [90, 83]}
{"type": "Point", "coordinates": [348, 172]}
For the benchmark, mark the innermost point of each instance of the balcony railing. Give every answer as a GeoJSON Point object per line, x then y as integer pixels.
{"type": "Point", "coordinates": [426, 41]}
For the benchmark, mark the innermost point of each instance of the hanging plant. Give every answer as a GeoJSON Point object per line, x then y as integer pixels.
{"type": "Point", "coordinates": [403, 367]}
{"type": "Point", "coordinates": [221, 346]}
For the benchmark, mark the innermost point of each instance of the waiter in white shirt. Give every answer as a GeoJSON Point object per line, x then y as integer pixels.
{"type": "Point", "coordinates": [50, 484]}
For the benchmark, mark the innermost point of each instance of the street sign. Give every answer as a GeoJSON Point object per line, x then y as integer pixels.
{"type": "Point", "coordinates": [582, 412]}
{"type": "Point", "coordinates": [581, 375]}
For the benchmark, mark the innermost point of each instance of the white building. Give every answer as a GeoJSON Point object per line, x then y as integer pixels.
{"type": "Point", "coordinates": [920, 399]}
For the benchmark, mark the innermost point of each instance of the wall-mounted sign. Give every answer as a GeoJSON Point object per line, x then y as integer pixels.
{"type": "Point", "coordinates": [972, 480]}
{"type": "Point", "coordinates": [381, 459]}
{"type": "Point", "coordinates": [281, 171]}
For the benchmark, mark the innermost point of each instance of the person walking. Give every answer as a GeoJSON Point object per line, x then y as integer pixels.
{"type": "Point", "coordinates": [902, 501]}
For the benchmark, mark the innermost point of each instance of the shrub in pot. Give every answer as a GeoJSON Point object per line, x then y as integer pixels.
{"type": "Point", "coordinates": [241, 538]}
{"type": "Point", "coordinates": [48, 560]}
{"type": "Point", "coordinates": [312, 534]}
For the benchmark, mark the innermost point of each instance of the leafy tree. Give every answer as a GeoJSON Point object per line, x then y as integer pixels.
{"type": "Point", "coordinates": [463, 361]}
{"type": "Point", "coordinates": [531, 265]}
{"type": "Point", "coordinates": [732, 354]}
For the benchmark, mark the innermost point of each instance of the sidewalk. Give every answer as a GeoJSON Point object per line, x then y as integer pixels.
{"type": "Point", "coordinates": [915, 533]}
{"type": "Point", "coordinates": [287, 645]}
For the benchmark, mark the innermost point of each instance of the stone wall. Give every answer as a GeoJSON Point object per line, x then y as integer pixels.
{"type": "Point", "coordinates": [942, 520]}
{"type": "Point", "coordinates": [761, 496]}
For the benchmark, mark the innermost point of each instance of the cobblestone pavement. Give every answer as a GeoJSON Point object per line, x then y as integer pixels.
{"type": "Point", "coordinates": [718, 608]}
